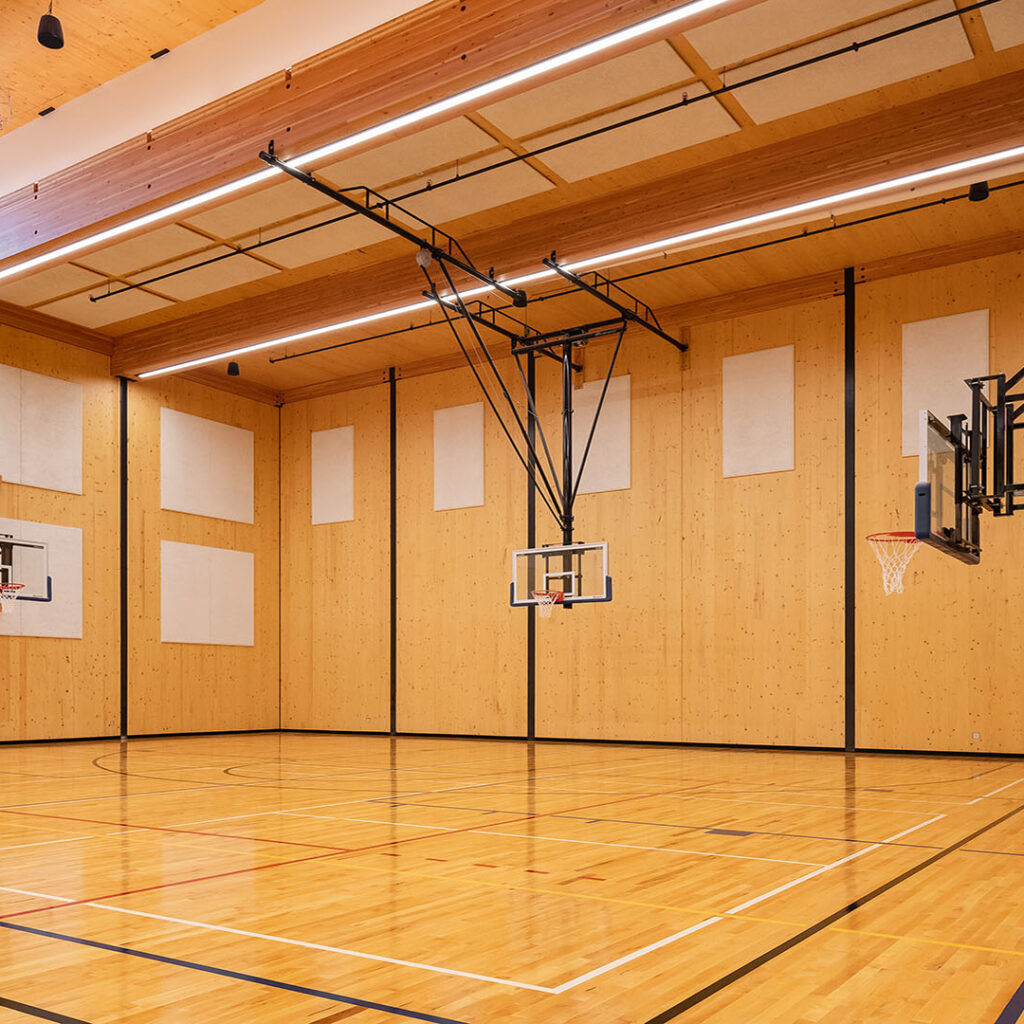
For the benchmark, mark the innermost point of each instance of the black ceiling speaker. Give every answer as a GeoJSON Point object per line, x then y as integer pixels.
{"type": "Point", "coordinates": [233, 369]}
{"type": "Point", "coordinates": [978, 192]}
{"type": "Point", "coordinates": [50, 34]}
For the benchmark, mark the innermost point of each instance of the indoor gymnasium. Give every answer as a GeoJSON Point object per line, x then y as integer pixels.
{"type": "Point", "coordinates": [512, 512]}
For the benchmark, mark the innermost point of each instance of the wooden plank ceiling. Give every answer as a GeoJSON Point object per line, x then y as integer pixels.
{"type": "Point", "coordinates": [102, 41]}
{"type": "Point", "coordinates": [282, 259]}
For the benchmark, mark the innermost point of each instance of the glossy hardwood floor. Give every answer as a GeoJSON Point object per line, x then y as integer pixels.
{"type": "Point", "coordinates": [312, 879]}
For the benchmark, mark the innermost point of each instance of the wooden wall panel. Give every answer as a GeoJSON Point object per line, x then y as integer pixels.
{"type": "Point", "coordinates": [613, 671]}
{"type": "Point", "coordinates": [197, 687]}
{"type": "Point", "coordinates": [762, 567]}
{"type": "Point", "coordinates": [335, 665]}
{"type": "Point", "coordinates": [940, 662]}
{"type": "Point", "coordinates": [726, 623]}
{"type": "Point", "coordinates": [54, 688]}
{"type": "Point", "coordinates": [461, 647]}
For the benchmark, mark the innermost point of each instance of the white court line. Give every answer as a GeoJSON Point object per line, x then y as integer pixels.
{"type": "Point", "coordinates": [1016, 782]}
{"type": "Point", "coordinates": [291, 942]}
{"type": "Point", "coordinates": [48, 842]}
{"type": "Point", "coordinates": [786, 803]}
{"type": "Point", "coordinates": [37, 895]}
{"type": "Point", "coordinates": [573, 982]}
{"type": "Point", "coordinates": [654, 849]}
{"type": "Point", "coordinates": [581, 842]}
{"type": "Point", "coordinates": [598, 971]}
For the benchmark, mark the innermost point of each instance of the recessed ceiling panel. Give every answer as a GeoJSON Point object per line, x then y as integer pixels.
{"type": "Point", "coordinates": [916, 53]}
{"type": "Point", "coordinates": [605, 85]}
{"type": "Point", "coordinates": [214, 277]}
{"type": "Point", "coordinates": [410, 157]}
{"type": "Point", "coordinates": [1005, 24]}
{"type": "Point", "coordinates": [495, 188]}
{"type": "Point", "coordinates": [776, 23]}
{"type": "Point", "coordinates": [144, 250]}
{"type": "Point", "coordinates": [666, 133]}
{"type": "Point", "coordinates": [47, 284]}
{"type": "Point", "coordinates": [321, 243]}
{"type": "Point", "coordinates": [288, 199]}
{"type": "Point", "coordinates": [80, 310]}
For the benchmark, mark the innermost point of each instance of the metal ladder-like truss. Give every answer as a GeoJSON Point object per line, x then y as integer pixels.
{"type": "Point", "coordinates": [557, 487]}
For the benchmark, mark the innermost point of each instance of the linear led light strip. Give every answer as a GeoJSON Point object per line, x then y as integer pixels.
{"type": "Point", "coordinates": [622, 255]}
{"type": "Point", "coordinates": [459, 99]}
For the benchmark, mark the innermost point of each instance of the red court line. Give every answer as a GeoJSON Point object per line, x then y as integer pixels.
{"type": "Point", "coordinates": [182, 831]}
{"type": "Point", "coordinates": [286, 863]}
{"type": "Point", "coordinates": [167, 885]}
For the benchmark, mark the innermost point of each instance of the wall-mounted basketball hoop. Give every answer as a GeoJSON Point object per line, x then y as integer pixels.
{"type": "Point", "coordinates": [894, 550]}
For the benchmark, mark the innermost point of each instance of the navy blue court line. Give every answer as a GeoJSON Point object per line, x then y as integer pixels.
{"type": "Point", "coordinates": [236, 975]}
{"type": "Point", "coordinates": [38, 1011]}
{"type": "Point", "coordinates": [1014, 1008]}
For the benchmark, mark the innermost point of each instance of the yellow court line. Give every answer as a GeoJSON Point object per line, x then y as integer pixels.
{"type": "Point", "coordinates": [929, 942]}
{"type": "Point", "coordinates": [698, 911]}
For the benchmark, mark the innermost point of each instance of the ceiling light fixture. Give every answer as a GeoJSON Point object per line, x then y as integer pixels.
{"type": "Point", "coordinates": [621, 255]}
{"type": "Point", "coordinates": [50, 33]}
{"type": "Point", "coordinates": [578, 53]}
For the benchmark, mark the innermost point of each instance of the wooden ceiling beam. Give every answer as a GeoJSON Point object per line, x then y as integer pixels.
{"type": "Point", "coordinates": [780, 294]}
{"type": "Point", "coordinates": [50, 327]}
{"type": "Point", "coordinates": [439, 49]}
{"type": "Point", "coordinates": [967, 122]}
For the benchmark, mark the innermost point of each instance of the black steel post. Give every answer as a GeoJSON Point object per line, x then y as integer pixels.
{"type": "Point", "coordinates": [850, 510]}
{"type": "Point", "coordinates": [531, 542]}
{"type": "Point", "coordinates": [392, 560]}
{"type": "Point", "coordinates": [567, 495]}
{"type": "Point", "coordinates": [124, 557]}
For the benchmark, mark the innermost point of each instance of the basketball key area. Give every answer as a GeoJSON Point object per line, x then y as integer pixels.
{"type": "Point", "coordinates": [528, 536]}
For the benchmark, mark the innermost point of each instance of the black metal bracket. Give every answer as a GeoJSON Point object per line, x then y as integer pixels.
{"type": "Point", "coordinates": [629, 307]}
{"type": "Point", "coordinates": [381, 210]}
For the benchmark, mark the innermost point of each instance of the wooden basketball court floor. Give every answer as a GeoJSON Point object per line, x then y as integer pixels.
{"type": "Point", "coordinates": [319, 878]}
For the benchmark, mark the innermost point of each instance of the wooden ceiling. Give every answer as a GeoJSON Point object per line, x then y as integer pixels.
{"type": "Point", "coordinates": [101, 42]}
{"type": "Point", "coordinates": [279, 260]}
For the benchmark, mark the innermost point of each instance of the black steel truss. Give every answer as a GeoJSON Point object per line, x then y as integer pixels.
{"type": "Point", "coordinates": [521, 426]}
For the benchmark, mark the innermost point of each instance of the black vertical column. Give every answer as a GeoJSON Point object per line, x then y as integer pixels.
{"type": "Point", "coordinates": [393, 494]}
{"type": "Point", "coordinates": [850, 507]}
{"type": "Point", "coordinates": [531, 541]}
{"type": "Point", "coordinates": [123, 569]}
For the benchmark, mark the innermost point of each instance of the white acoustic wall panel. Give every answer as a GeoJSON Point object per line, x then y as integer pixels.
{"type": "Point", "coordinates": [206, 595]}
{"type": "Point", "coordinates": [757, 412]}
{"type": "Point", "coordinates": [608, 466]}
{"type": "Point", "coordinates": [332, 475]}
{"type": "Point", "coordinates": [40, 430]}
{"type": "Point", "coordinates": [47, 560]}
{"type": "Point", "coordinates": [459, 457]}
{"type": "Point", "coordinates": [938, 356]}
{"type": "Point", "coordinates": [206, 467]}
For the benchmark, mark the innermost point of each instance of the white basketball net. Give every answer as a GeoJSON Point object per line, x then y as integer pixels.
{"type": "Point", "coordinates": [894, 552]}
{"type": "Point", "coordinates": [8, 592]}
{"type": "Point", "coordinates": [546, 600]}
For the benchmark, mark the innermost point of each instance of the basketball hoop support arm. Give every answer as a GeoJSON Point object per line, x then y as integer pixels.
{"type": "Point", "coordinates": [435, 245]}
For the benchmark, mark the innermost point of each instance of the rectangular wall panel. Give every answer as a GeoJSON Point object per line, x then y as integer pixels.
{"type": "Point", "coordinates": [41, 430]}
{"type": "Point", "coordinates": [206, 467]}
{"type": "Point", "coordinates": [757, 412]}
{"type": "Point", "coordinates": [608, 466]}
{"type": "Point", "coordinates": [47, 560]}
{"type": "Point", "coordinates": [939, 354]}
{"type": "Point", "coordinates": [206, 595]}
{"type": "Point", "coordinates": [459, 457]}
{"type": "Point", "coordinates": [331, 475]}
